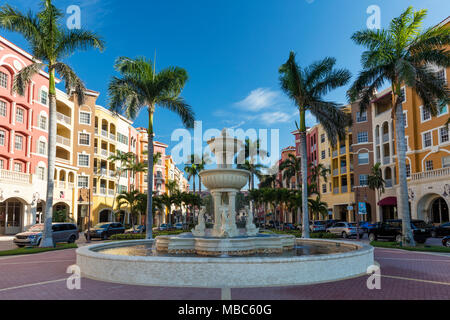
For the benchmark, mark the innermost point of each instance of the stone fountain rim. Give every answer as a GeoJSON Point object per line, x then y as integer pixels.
{"type": "Point", "coordinates": [89, 251]}
{"type": "Point", "coordinates": [223, 170]}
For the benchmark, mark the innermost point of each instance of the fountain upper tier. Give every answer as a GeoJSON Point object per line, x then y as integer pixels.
{"type": "Point", "coordinates": [225, 149]}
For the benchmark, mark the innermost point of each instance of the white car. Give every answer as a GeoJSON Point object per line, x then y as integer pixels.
{"type": "Point", "coordinates": [179, 226]}
{"type": "Point", "coordinates": [345, 229]}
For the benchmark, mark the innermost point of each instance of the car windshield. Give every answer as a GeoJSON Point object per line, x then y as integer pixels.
{"type": "Point", "coordinates": [101, 226]}
{"type": "Point", "coordinates": [420, 224]}
{"type": "Point", "coordinates": [37, 228]}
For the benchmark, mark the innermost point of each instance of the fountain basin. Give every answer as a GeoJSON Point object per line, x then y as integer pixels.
{"type": "Point", "coordinates": [233, 179]}
{"type": "Point", "coordinates": [215, 272]}
{"type": "Point", "coordinates": [207, 246]}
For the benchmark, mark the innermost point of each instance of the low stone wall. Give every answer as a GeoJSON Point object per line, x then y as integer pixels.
{"type": "Point", "coordinates": [223, 272]}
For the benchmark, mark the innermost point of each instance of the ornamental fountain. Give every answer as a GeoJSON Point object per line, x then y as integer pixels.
{"type": "Point", "coordinates": [224, 256]}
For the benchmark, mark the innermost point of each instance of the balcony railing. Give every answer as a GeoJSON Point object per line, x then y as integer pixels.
{"type": "Point", "coordinates": [335, 172]}
{"type": "Point", "coordinates": [344, 189]}
{"type": "Point", "coordinates": [343, 170]}
{"type": "Point", "coordinates": [343, 150]}
{"type": "Point", "coordinates": [112, 136]}
{"type": "Point", "coordinates": [432, 174]}
{"type": "Point", "coordinates": [63, 118]}
{"type": "Point", "coordinates": [112, 173]}
{"type": "Point", "coordinates": [335, 153]}
{"type": "Point", "coordinates": [388, 183]}
{"type": "Point", "coordinates": [111, 192]}
{"type": "Point", "coordinates": [103, 190]}
{"type": "Point", "coordinates": [103, 172]}
{"type": "Point", "coordinates": [336, 190]}
{"type": "Point", "coordinates": [386, 160]}
{"type": "Point", "coordinates": [62, 140]}
{"type": "Point", "coordinates": [71, 185]}
{"type": "Point", "coordinates": [11, 176]}
{"type": "Point", "coordinates": [386, 137]}
{"type": "Point", "coordinates": [62, 160]}
{"type": "Point", "coordinates": [105, 133]}
{"type": "Point", "coordinates": [104, 153]}
{"type": "Point", "coordinates": [61, 184]}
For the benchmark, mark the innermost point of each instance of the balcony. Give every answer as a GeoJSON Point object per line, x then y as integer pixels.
{"type": "Point", "coordinates": [61, 184]}
{"type": "Point", "coordinates": [11, 176]}
{"type": "Point", "coordinates": [96, 150]}
{"type": "Point", "coordinates": [110, 192]}
{"type": "Point", "coordinates": [344, 189]}
{"type": "Point", "coordinates": [335, 153]}
{"type": "Point", "coordinates": [103, 190]}
{"type": "Point", "coordinates": [386, 137]}
{"type": "Point", "coordinates": [335, 172]}
{"type": "Point", "coordinates": [343, 150]}
{"type": "Point", "coordinates": [433, 174]}
{"type": "Point", "coordinates": [63, 118]}
{"type": "Point", "coordinates": [104, 153]}
{"type": "Point", "coordinates": [112, 173]}
{"type": "Point", "coordinates": [336, 190]}
{"type": "Point", "coordinates": [103, 172]}
{"type": "Point", "coordinates": [388, 183]}
{"type": "Point", "coordinates": [62, 140]}
{"type": "Point", "coordinates": [105, 133]}
{"type": "Point", "coordinates": [343, 170]}
{"type": "Point", "coordinates": [387, 160]}
{"type": "Point", "coordinates": [71, 185]}
{"type": "Point", "coordinates": [63, 160]}
{"type": "Point", "coordinates": [112, 136]}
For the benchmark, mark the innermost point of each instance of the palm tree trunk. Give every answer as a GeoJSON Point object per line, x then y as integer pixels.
{"type": "Point", "coordinates": [403, 204]}
{"type": "Point", "coordinates": [199, 185]}
{"type": "Point", "coordinates": [47, 237]}
{"type": "Point", "coordinates": [304, 162]}
{"type": "Point", "coordinates": [299, 210]}
{"type": "Point", "coordinates": [150, 176]}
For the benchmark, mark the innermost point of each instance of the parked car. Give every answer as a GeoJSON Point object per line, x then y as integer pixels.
{"type": "Point", "coordinates": [345, 229]}
{"type": "Point", "coordinates": [137, 230]}
{"type": "Point", "coordinates": [105, 230]}
{"type": "Point", "coordinates": [446, 241]}
{"type": "Point", "coordinates": [163, 227]}
{"type": "Point", "coordinates": [330, 223]}
{"type": "Point", "coordinates": [289, 226]}
{"type": "Point", "coordinates": [317, 226]}
{"type": "Point", "coordinates": [179, 226]}
{"type": "Point", "coordinates": [441, 230]}
{"type": "Point", "coordinates": [62, 232]}
{"type": "Point", "coordinates": [367, 226]}
{"type": "Point", "coordinates": [392, 230]}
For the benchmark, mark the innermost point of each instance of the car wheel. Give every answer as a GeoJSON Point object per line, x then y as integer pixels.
{"type": "Point", "coordinates": [433, 234]}
{"type": "Point", "coordinates": [72, 239]}
{"type": "Point", "coordinates": [20, 246]}
{"type": "Point", "coordinates": [447, 243]}
{"type": "Point", "coordinates": [372, 237]}
{"type": "Point", "coordinates": [398, 238]}
{"type": "Point", "coordinates": [344, 235]}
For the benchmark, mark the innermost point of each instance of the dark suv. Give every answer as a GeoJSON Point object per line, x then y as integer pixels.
{"type": "Point", "coordinates": [392, 230]}
{"type": "Point", "coordinates": [105, 230]}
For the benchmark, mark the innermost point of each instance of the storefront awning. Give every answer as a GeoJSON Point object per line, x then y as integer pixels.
{"type": "Point", "coordinates": [389, 201]}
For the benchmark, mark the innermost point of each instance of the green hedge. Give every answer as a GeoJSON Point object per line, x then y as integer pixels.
{"type": "Point", "coordinates": [131, 236]}
{"type": "Point", "coordinates": [419, 248]}
{"type": "Point", "coordinates": [34, 250]}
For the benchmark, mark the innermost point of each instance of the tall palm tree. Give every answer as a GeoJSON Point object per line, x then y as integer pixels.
{"type": "Point", "coordinates": [122, 158]}
{"type": "Point", "coordinates": [318, 207]}
{"type": "Point", "coordinates": [192, 172]}
{"type": "Point", "coordinates": [319, 171]}
{"type": "Point", "coordinates": [306, 88]}
{"type": "Point", "coordinates": [291, 167]}
{"type": "Point", "coordinates": [376, 181]}
{"type": "Point", "coordinates": [135, 167]}
{"type": "Point", "coordinates": [50, 43]}
{"type": "Point", "coordinates": [402, 55]}
{"type": "Point", "coordinates": [140, 86]}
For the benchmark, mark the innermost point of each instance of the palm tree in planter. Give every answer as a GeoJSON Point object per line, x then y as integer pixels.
{"type": "Point", "coordinates": [140, 86]}
{"type": "Point", "coordinates": [306, 88]}
{"type": "Point", "coordinates": [376, 181]}
{"type": "Point", "coordinates": [50, 43]}
{"type": "Point", "coordinates": [403, 55]}
{"type": "Point", "coordinates": [318, 207]}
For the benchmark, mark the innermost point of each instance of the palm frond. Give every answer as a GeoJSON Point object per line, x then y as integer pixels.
{"type": "Point", "coordinates": [24, 76]}
{"type": "Point", "coordinates": [15, 21]}
{"type": "Point", "coordinates": [180, 107]}
{"type": "Point", "coordinates": [72, 82]}
{"type": "Point", "coordinates": [78, 39]}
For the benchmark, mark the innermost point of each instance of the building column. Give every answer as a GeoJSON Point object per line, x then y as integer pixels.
{"type": "Point", "coordinates": [12, 136]}
{"type": "Point", "coordinates": [28, 150]}
{"type": "Point", "coordinates": [13, 114]}
{"type": "Point", "coordinates": [217, 215]}
{"type": "Point", "coordinates": [391, 142]}
{"type": "Point", "coordinates": [30, 119]}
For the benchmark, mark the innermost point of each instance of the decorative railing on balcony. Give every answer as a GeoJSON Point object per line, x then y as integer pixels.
{"type": "Point", "coordinates": [336, 190]}
{"type": "Point", "coordinates": [387, 160]}
{"type": "Point", "coordinates": [105, 133]}
{"type": "Point", "coordinates": [112, 173]}
{"type": "Point", "coordinates": [432, 174]}
{"type": "Point", "coordinates": [103, 172]}
{"type": "Point", "coordinates": [386, 137]}
{"type": "Point", "coordinates": [388, 183]}
{"type": "Point", "coordinates": [335, 172]}
{"type": "Point", "coordinates": [12, 176]}
{"type": "Point", "coordinates": [342, 150]}
{"type": "Point", "coordinates": [343, 170]}
{"type": "Point", "coordinates": [104, 153]}
{"type": "Point", "coordinates": [111, 192]}
{"type": "Point", "coordinates": [112, 136]}
{"type": "Point", "coordinates": [63, 118]}
{"type": "Point", "coordinates": [62, 160]}
{"type": "Point", "coordinates": [344, 189]}
{"type": "Point", "coordinates": [335, 153]}
{"type": "Point", "coordinates": [62, 140]}
{"type": "Point", "coordinates": [103, 190]}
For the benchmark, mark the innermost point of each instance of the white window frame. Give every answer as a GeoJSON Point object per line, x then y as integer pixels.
{"type": "Point", "coordinates": [43, 99]}
{"type": "Point", "coordinates": [2, 137]}
{"type": "Point", "coordinates": [4, 78]}
{"type": "Point", "coordinates": [40, 142]}
{"type": "Point", "coordinates": [359, 119]}
{"type": "Point", "coordinates": [364, 134]}
{"type": "Point", "coordinates": [368, 158]}
{"type": "Point", "coordinates": [45, 127]}
{"type": "Point", "coordinates": [366, 180]}
{"type": "Point", "coordinates": [2, 164]}
{"type": "Point", "coordinates": [440, 135]}
{"type": "Point", "coordinates": [405, 116]}
{"type": "Point", "coordinates": [20, 113]}
{"type": "Point", "coordinates": [79, 139]}
{"type": "Point", "coordinates": [88, 158]}
{"type": "Point", "coordinates": [408, 171]}
{"type": "Point", "coordinates": [427, 162]}
{"type": "Point", "coordinates": [443, 113]}
{"type": "Point", "coordinates": [444, 164]}
{"type": "Point", "coordinates": [18, 138]}
{"type": "Point", "coordinates": [85, 113]}
{"type": "Point", "coordinates": [83, 186]}
{"type": "Point", "coordinates": [40, 172]}
{"type": "Point", "coordinates": [423, 139]}
{"type": "Point", "coordinates": [20, 166]}
{"type": "Point", "coordinates": [3, 107]}
{"type": "Point", "coordinates": [422, 114]}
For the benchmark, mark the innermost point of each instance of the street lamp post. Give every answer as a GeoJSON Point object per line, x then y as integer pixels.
{"type": "Point", "coordinates": [88, 240]}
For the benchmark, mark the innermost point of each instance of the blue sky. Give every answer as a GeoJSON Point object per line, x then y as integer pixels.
{"type": "Point", "coordinates": [232, 50]}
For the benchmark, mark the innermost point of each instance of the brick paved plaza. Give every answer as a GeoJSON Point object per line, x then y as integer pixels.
{"type": "Point", "coordinates": [405, 275]}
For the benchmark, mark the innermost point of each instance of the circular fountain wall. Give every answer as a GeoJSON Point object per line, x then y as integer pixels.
{"type": "Point", "coordinates": [346, 260]}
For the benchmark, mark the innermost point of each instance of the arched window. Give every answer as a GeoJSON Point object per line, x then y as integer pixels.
{"type": "Point", "coordinates": [42, 147]}
{"type": "Point", "coordinates": [43, 122]}
{"type": "Point", "coordinates": [43, 96]}
{"type": "Point", "coordinates": [3, 108]}
{"type": "Point", "coordinates": [3, 80]}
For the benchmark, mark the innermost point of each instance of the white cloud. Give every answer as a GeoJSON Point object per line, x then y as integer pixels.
{"type": "Point", "coordinates": [259, 99]}
{"type": "Point", "coordinates": [276, 117]}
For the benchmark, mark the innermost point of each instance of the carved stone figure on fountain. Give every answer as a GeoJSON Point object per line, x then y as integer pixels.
{"type": "Point", "coordinates": [199, 230]}
{"type": "Point", "coordinates": [250, 226]}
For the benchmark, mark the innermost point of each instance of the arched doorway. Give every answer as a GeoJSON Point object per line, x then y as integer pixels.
{"type": "Point", "coordinates": [106, 215]}
{"type": "Point", "coordinates": [11, 216]}
{"type": "Point", "coordinates": [439, 211]}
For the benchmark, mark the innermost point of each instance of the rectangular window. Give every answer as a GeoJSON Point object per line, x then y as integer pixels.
{"type": "Point", "coordinates": [429, 165]}
{"type": "Point", "coordinates": [324, 154]}
{"type": "Point", "coordinates": [322, 138]}
{"type": "Point", "coordinates": [43, 97]}
{"type": "Point", "coordinates": [3, 80]}
{"type": "Point", "coordinates": [2, 164]}
{"type": "Point", "coordinates": [83, 160]}
{"type": "Point", "coordinates": [361, 116]}
{"type": "Point", "coordinates": [363, 137]}
{"type": "Point", "coordinates": [3, 108]}
{"type": "Point", "coordinates": [85, 118]}
{"type": "Point", "coordinates": [43, 123]}
{"type": "Point", "coordinates": [17, 167]}
{"type": "Point", "coordinates": [363, 158]}
{"type": "Point", "coordinates": [122, 138]}
{"type": "Point", "coordinates": [446, 162]}
{"type": "Point", "coordinates": [426, 114]}
{"type": "Point", "coordinates": [41, 173]}
{"type": "Point", "coordinates": [324, 188]}
{"type": "Point", "coordinates": [18, 142]}
{"type": "Point", "coordinates": [442, 110]}
{"type": "Point", "coordinates": [42, 148]}
{"type": "Point", "coordinates": [83, 182]}
{"type": "Point", "coordinates": [84, 139]}
{"type": "Point", "coordinates": [427, 140]}
{"type": "Point", "coordinates": [19, 115]}
{"type": "Point", "coordinates": [2, 137]}
{"type": "Point", "coordinates": [443, 135]}
{"type": "Point", "coordinates": [408, 171]}
{"type": "Point", "coordinates": [403, 97]}
{"type": "Point", "coordinates": [363, 180]}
